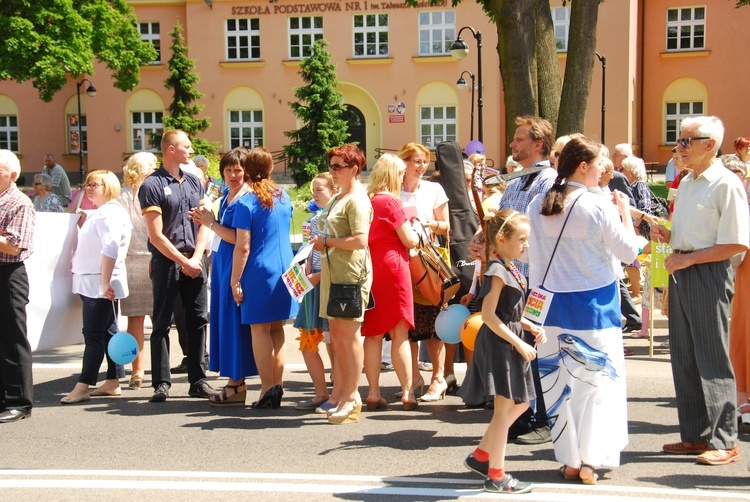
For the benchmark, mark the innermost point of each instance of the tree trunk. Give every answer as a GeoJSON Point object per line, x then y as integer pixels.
{"type": "Point", "coordinates": [549, 80]}
{"type": "Point", "coordinates": [580, 66]}
{"type": "Point", "coordinates": [516, 48]}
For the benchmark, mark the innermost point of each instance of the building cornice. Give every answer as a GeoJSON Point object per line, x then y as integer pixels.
{"type": "Point", "coordinates": [684, 54]}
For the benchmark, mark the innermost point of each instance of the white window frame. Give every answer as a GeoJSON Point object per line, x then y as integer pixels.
{"type": "Point", "coordinates": [9, 129]}
{"type": "Point", "coordinates": [686, 28]}
{"type": "Point", "coordinates": [243, 121]}
{"type": "Point", "coordinates": [561, 22]}
{"type": "Point", "coordinates": [153, 36]}
{"type": "Point", "coordinates": [145, 130]}
{"type": "Point", "coordinates": [72, 124]}
{"type": "Point", "coordinates": [373, 35]}
{"type": "Point", "coordinates": [306, 34]}
{"type": "Point", "coordinates": [682, 110]}
{"type": "Point", "coordinates": [434, 25]}
{"type": "Point", "coordinates": [437, 125]}
{"type": "Point", "coordinates": [245, 37]}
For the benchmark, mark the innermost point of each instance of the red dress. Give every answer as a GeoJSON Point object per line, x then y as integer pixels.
{"type": "Point", "coordinates": [391, 281]}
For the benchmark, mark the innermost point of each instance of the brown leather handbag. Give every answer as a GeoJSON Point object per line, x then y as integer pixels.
{"type": "Point", "coordinates": [433, 280]}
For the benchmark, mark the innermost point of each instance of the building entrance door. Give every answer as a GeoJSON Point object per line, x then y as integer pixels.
{"type": "Point", "coordinates": [355, 120]}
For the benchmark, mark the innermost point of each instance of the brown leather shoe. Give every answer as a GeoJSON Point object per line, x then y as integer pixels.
{"type": "Point", "coordinates": [719, 457]}
{"type": "Point", "coordinates": [683, 448]}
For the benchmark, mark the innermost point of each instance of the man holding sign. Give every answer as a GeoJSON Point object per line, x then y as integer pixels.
{"type": "Point", "coordinates": [710, 224]}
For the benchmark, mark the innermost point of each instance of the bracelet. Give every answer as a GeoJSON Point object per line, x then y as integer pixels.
{"type": "Point", "coordinates": [211, 225]}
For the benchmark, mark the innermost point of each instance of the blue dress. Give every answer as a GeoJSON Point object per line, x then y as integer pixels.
{"type": "Point", "coordinates": [266, 296]}
{"type": "Point", "coordinates": [230, 342]}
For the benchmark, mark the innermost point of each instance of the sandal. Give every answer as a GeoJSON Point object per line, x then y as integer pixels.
{"type": "Point", "coordinates": [237, 399]}
{"type": "Point", "coordinates": [568, 476]}
{"type": "Point", "coordinates": [588, 480]}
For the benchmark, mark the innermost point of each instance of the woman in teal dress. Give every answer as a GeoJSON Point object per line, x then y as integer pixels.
{"type": "Point", "coordinates": [230, 341]}
{"type": "Point", "coordinates": [261, 255]}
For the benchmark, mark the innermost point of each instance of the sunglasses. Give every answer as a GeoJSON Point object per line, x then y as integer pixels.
{"type": "Point", "coordinates": [685, 142]}
{"type": "Point", "coordinates": [338, 167]}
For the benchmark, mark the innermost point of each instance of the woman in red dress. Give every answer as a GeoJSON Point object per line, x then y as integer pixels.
{"type": "Point", "coordinates": [389, 240]}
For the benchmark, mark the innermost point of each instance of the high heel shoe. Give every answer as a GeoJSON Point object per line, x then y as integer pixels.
{"type": "Point", "coordinates": [267, 400]}
{"type": "Point", "coordinates": [348, 414]}
{"type": "Point", "coordinates": [136, 382]}
{"type": "Point", "coordinates": [409, 405]}
{"type": "Point", "coordinates": [276, 403]}
{"type": "Point", "coordinates": [235, 400]}
{"type": "Point", "coordinates": [375, 405]}
{"type": "Point", "coordinates": [452, 384]}
{"type": "Point", "coordinates": [431, 397]}
{"type": "Point", "coordinates": [418, 384]}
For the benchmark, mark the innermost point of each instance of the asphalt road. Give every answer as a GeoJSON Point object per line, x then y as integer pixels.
{"type": "Point", "coordinates": [129, 449]}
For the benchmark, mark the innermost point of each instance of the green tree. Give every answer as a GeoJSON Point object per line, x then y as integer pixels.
{"type": "Point", "coordinates": [319, 108]}
{"type": "Point", "coordinates": [182, 79]}
{"type": "Point", "coordinates": [46, 41]}
{"type": "Point", "coordinates": [528, 60]}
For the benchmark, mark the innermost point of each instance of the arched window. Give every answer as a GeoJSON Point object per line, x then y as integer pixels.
{"type": "Point", "coordinates": [8, 124]}
{"type": "Point", "coordinates": [685, 97]}
{"type": "Point", "coordinates": [145, 113]}
{"type": "Point", "coordinates": [243, 108]}
{"type": "Point", "coordinates": [438, 114]}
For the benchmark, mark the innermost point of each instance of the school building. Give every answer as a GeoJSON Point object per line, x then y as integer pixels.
{"type": "Point", "coordinates": [665, 60]}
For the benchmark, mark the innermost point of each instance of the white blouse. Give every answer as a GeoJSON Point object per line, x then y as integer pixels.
{"type": "Point", "coordinates": [591, 248]}
{"type": "Point", "coordinates": [106, 231]}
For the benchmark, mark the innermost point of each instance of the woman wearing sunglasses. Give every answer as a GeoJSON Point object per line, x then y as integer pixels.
{"type": "Point", "coordinates": [344, 227]}
{"type": "Point", "coordinates": [100, 279]}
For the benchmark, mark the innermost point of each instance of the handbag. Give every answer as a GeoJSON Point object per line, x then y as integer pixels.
{"type": "Point", "coordinates": [432, 278]}
{"type": "Point", "coordinates": [345, 299]}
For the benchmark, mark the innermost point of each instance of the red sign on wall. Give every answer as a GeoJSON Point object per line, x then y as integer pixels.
{"type": "Point", "coordinates": [396, 119]}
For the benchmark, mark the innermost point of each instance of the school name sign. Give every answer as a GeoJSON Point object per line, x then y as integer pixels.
{"type": "Point", "coordinates": [324, 7]}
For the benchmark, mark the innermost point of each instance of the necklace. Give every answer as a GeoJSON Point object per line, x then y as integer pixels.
{"type": "Point", "coordinates": [513, 270]}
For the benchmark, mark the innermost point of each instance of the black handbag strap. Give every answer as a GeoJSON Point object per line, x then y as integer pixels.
{"type": "Point", "coordinates": [558, 239]}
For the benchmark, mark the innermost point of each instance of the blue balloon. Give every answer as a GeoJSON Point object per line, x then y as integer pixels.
{"type": "Point", "coordinates": [449, 322]}
{"type": "Point", "coordinates": [122, 348]}
{"type": "Point", "coordinates": [475, 146]}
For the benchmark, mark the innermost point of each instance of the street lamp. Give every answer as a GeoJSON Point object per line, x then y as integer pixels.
{"type": "Point", "coordinates": [461, 84]}
{"type": "Point", "coordinates": [603, 60]}
{"type": "Point", "coordinates": [90, 92]}
{"type": "Point", "coordinates": [460, 50]}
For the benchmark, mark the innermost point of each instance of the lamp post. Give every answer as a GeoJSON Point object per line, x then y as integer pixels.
{"type": "Point", "coordinates": [460, 50]}
{"type": "Point", "coordinates": [603, 60]}
{"type": "Point", "coordinates": [461, 84]}
{"type": "Point", "coordinates": [90, 92]}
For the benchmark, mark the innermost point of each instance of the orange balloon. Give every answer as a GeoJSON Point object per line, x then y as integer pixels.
{"type": "Point", "coordinates": [470, 329]}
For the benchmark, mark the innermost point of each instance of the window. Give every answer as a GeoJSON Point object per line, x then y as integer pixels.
{"type": "Point", "coordinates": [686, 28]}
{"type": "Point", "coordinates": [437, 124]}
{"type": "Point", "coordinates": [303, 32]}
{"type": "Point", "coordinates": [9, 133]}
{"type": "Point", "coordinates": [371, 35]}
{"type": "Point", "coordinates": [73, 134]}
{"type": "Point", "coordinates": [561, 20]}
{"type": "Point", "coordinates": [675, 113]}
{"type": "Point", "coordinates": [144, 125]}
{"type": "Point", "coordinates": [437, 31]}
{"type": "Point", "coordinates": [243, 39]}
{"type": "Point", "coordinates": [150, 33]}
{"type": "Point", "coordinates": [245, 128]}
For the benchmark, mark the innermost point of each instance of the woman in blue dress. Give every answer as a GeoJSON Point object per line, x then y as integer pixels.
{"type": "Point", "coordinates": [230, 341]}
{"type": "Point", "coordinates": [261, 255]}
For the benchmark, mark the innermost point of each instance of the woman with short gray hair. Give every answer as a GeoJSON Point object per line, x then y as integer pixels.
{"type": "Point", "coordinates": [45, 201]}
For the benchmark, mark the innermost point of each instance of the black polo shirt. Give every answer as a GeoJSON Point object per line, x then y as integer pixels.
{"type": "Point", "coordinates": [172, 199]}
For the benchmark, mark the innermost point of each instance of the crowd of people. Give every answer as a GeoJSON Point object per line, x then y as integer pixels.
{"type": "Point", "coordinates": [568, 229]}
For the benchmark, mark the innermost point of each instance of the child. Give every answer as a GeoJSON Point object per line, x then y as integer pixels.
{"type": "Point", "coordinates": [313, 329]}
{"type": "Point", "coordinates": [501, 367]}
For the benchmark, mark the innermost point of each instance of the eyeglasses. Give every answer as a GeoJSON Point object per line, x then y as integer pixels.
{"type": "Point", "coordinates": [338, 167]}
{"type": "Point", "coordinates": [420, 162]}
{"type": "Point", "coordinates": [685, 142]}
{"type": "Point", "coordinates": [92, 186]}
{"type": "Point", "coordinates": [36, 183]}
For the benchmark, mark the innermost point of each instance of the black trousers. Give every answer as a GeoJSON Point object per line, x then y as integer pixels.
{"type": "Point", "coordinates": [627, 307]}
{"type": "Point", "coordinates": [16, 383]}
{"type": "Point", "coordinates": [99, 324]}
{"type": "Point", "coordinates": [168, 281]}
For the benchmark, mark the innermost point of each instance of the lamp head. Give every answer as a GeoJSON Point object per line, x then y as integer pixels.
{"type": "Point", "coordinates": [461, 84]}
{"type": "Point", "coordinates": [459, 49]}
{"type": "Point", "coordinates": [91, 91]}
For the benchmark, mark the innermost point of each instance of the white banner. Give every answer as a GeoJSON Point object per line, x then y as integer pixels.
{"type": "Point", "coordinates": [54, 313]}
